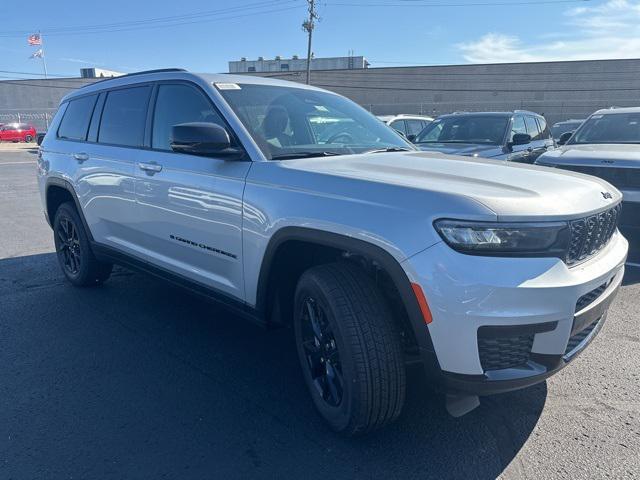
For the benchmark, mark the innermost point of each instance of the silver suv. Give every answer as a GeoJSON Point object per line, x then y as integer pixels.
{"type": "Point", "coordinates": [295, 207]}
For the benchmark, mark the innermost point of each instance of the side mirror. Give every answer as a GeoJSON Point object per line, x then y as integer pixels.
{"type": "Point", "coordinates": [521, 139]}
{"type": "Point", "coordinates": [202, 138]}
{"type": "Point", "coordinates": [564, 138]}
{"type": "Point", "coordinates": [411, 137]}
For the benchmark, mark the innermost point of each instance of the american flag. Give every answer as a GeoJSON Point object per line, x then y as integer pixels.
{"type": "Point", "coordinates": [34, 39]}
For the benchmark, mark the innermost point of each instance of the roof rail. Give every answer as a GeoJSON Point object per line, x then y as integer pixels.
{"type": "Point", "coordinates": [158, 70]}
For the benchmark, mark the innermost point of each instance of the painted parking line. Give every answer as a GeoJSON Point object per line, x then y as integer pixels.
{"type": "Point", "coordinates": [16, 163]}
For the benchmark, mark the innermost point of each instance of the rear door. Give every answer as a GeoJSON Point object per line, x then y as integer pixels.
{"type": "Point", "coordinates": [190, 207]}
{"type": "Point", "coordinates": [104, 151]}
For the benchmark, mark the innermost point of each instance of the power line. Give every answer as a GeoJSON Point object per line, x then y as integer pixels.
{"type": "Point", "coordinates": [164, 22]}
{"type": "Point", "coordinates": [410, 3]}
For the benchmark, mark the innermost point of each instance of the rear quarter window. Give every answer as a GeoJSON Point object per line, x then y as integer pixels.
{"type": "Point", "coordinates": [124, 117]}
{"type": "Point", "coordinates": [75, 123]}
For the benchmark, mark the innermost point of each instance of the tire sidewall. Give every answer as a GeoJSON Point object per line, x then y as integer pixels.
{"type": "Point", "coordinates": [66, 211]}
{"type": "Point", "coordinates": [338, 417]}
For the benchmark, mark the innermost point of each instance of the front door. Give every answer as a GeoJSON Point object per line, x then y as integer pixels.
{"type": "Point", "coordinates": [519, 153]}
{"type": "Point", "coordinates": [190, 207]}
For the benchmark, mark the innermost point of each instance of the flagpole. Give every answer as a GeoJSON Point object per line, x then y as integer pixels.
{"type": "Point", "coordinates": [44, 62]}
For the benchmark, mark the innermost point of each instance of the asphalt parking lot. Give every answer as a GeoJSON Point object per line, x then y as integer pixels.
{"type": "Point", "coordinates": [138, 379]}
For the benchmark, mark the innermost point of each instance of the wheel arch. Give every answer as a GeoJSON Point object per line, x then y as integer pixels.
{"type": "Point", "coordinates": [58, 191]}
{"type": "Point", "coordinates": [347, 247]}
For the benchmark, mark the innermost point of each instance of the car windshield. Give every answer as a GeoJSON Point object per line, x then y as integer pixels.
{"type": "Point", "coordinates": [609, 128]}
{"type": "Point", "coordinates": [486, 129]}
{"type": "Point", "coordinates": [290, 122]}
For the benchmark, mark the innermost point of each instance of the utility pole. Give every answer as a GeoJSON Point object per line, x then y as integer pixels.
{"type": "Point", "coordinates": [308, 26]}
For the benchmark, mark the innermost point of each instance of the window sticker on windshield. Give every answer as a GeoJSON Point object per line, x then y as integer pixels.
{"type": "Point", "coordinates": [227, 86]}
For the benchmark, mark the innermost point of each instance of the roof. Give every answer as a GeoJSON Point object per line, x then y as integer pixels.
{"type": "Point", "coordinates": [613, 110]}
{"type": "Point", "coordinates": [180, 74]}
{"type": "Point", "coordinates": [496, 114]}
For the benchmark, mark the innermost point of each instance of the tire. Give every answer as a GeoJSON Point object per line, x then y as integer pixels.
{"type": "Point", "coordinates": [28, 139]}
{"type": "Point", "coordinates": [350, 355]}
{"type": "Point", "coordinates": [76, 259]}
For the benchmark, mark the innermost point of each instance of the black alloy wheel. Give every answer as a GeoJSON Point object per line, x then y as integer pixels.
{"type": "Point", "coordinates": [321, 350]}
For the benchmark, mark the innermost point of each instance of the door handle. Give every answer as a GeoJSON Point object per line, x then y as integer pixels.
{"type": "Point", "coordinates": [81, 157]}
{"type": "Point", "coordinates": [150, 168]}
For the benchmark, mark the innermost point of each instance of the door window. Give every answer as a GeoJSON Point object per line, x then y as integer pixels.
{"type": "Point", "coordinates": [544, 128]}
{"type": "Point", "coordinates": [518, 126]}
{"type": "Point", "coordinates": [124, 117]}
{"type": "Point", "coordinates": [399, 126]}
{"type": "Point", "coordinates": [414, 127]}
{"type": "Point", "coordinates": [533, 129]}
{"type": "Point", "coordinates": [75, 122]}
{"type": "Point", "coordinates": [177, 104]}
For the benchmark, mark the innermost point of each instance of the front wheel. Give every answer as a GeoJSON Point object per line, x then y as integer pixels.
{"type": "Point", "coordinates": [349, 348]}
{"type": "Point", "coordinates": [28, 139]}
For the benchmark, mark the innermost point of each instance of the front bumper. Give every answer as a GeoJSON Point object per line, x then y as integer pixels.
{"type": "Point", "coordinates": [501, 324]}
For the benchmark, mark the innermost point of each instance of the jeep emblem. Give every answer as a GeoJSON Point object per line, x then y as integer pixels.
{"type": "Point", "coordinates": [607, 195]}
{"type": "Point", "coordinates": [608, 162]}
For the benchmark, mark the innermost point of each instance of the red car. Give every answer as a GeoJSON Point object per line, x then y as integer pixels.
{"type": "Point", "coordinates": [17, 132]}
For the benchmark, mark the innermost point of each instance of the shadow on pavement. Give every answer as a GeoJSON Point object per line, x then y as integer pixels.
{"type": "Point", "coordinates": [140, 379]}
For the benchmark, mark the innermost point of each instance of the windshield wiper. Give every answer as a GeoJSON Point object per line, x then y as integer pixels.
{"type": "Point", "coordinates": [286, 156]}
{"type": "Point", "coordinates": [390, 149]}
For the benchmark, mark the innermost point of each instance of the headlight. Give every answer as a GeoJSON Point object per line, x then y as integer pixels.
{"type": "Point", "coordinates": [544, 239]}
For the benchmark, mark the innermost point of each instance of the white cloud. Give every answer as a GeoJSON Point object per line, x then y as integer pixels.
{"type": "Point", "coordinates": [608, 30]}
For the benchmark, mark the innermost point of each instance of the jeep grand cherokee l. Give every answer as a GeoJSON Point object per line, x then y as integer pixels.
{"type": "Point", "coordinates": [492, 276]}
{"type": "Point", "coordinates": [607, 145]}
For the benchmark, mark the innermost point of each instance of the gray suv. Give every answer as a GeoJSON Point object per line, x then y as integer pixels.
{"type": "Point", "coordinates": [293, 206]}
{"type": "Point", "coordinates": [518, 136]}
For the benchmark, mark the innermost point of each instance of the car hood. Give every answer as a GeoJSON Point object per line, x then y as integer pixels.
{"type": "Point", "coordinates": [513, 191]}
{"type": "Point", "coordinates": [466, 149]}
{"type": "Point", "coordinates": [614, 155]}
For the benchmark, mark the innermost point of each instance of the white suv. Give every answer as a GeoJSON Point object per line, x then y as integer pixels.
{"type": "Point", "coordinates": [294, 206]}
{"type": "Point", "coordinates": [408, 125]}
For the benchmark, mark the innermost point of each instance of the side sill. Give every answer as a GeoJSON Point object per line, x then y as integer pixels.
{"type": "Point", "coordinates": [112, 255]}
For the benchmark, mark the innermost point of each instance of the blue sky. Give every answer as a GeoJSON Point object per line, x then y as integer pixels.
{"type": "Point", "coordinates": [387, 32]}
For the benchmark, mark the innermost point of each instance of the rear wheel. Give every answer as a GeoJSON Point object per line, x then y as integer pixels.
{"type": "Point", "coordinates": [348, 348]}
{"type": "Point", "coordinates": [28, 138]}
{"type": "Point", "coordinates": [76, 259]}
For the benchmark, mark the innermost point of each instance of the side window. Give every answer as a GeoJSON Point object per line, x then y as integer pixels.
{"type": "Point", "coordinates": [532, 128]}
{"type": "Point", "coordinates": [544, 128]}
{"type": "Point", "coordinates": [399, 126]}
{"type": "Point", "coordinates": [124, 117]}
{"type": "Point", "coordinates": [75, 123]}
{"type": "Point", "coordinates": [414, 127]}
{"type": "Point", "coordinates": [177, 104]}
{"type": "Point", "coordinates": [517, 126]}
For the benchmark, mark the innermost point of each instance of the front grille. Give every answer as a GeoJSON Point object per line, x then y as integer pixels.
{"type": "Point", "coordinates": [576, 339]}
{"type": "Point", "coordinates": [588, 298]}
{"type": "Point", "coordinates": [616, 176]}
{"type": "Point", "coordinates": [504, 352]}
{"type": "Point", "coordinates": [589, 235]}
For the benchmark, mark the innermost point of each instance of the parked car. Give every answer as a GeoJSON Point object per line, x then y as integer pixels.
{"type": "Point", "coordinates": [40, 137]}
{"type": "Point", "coordinates": [606, 145]}
{"type": "Point", "coordinates": [17, 132]}
{"type": "Point", "coordinates": [518, 136]}
{"type": "Point", "coordinates": [408, 125]}
{"type": "Point", "coordinates": [377, 254]}
{"type": "Point", "coordinates": [560, 128]}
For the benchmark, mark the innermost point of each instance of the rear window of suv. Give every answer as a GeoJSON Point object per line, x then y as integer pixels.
{"type": "Point", "coordinates": [75, 122]}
